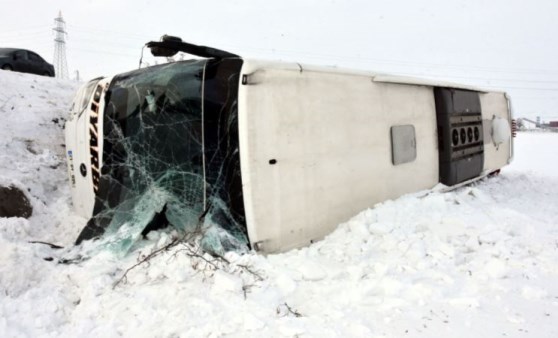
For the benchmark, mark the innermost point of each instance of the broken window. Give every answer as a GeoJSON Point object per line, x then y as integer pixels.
{"type": "Point", "coordinates": [170, 156]}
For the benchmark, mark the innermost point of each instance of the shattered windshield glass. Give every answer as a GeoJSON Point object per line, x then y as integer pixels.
{"type": "Point", "coordinates": [170, 156]}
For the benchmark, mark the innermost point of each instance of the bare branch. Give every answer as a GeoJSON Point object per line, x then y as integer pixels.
{"type": "Point", "coordinates": [248, 269]}
{"type": "Point", "coordinates": [289, 311]}
{"type": "Point", "coordinates": [146, 260]}
{"type": "Point", "coordinates": [184, 239]}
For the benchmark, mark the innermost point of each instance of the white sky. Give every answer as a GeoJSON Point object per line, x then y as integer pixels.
{"type": "Point", "coordinates": [497, 44]}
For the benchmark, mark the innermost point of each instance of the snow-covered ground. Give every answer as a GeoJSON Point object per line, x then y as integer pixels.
{"type": "Point", "coordinates": [481, 261]}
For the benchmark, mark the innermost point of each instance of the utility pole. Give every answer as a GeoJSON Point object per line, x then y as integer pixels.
{"type": "Point", "coordinates": [60, 63]}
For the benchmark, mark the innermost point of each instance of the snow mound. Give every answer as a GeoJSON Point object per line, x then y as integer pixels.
{"type": "Point", "coordinates": [33, 111]}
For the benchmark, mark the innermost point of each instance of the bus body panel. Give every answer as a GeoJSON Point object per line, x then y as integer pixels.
{"type": "Point", "coordinates": [79, 149]}
{"type": "Point", "coordinates": [495, 105]}
{"type": "Point", "coordinates": [328, 134]}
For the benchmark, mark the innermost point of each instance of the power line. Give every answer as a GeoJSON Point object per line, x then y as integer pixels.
{"type": "Point", "coordinates": [102, 52]}
{"type": "Point", "coordinates": [396, 62]}
{"type": "Point", "coordinates": [96, 31]}
{"type": "Point", "coordinates": [33, 35]}
{"type": "Point", "coordinates": [108, 43]}
{"type": "Point", "coordinates": [20, 29]}
{"type": "Point", "coordinates": [134, 36]}
{"type": "Point", "coordinates": [20, 35]}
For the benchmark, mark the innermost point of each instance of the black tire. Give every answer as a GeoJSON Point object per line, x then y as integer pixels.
{"type": "Point", "coordinates": [7, 67]}
{"type": "Point", "coordinates": [46, 74]}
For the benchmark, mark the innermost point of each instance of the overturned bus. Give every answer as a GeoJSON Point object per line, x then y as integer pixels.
{"type": "Point", "coordinates": [268, 156]}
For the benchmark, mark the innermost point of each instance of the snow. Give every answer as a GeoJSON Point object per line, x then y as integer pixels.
{"type": "Point", "coordinates": [478, 261]}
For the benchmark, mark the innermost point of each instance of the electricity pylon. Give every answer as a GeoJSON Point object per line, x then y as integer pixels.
{"type": "Point", "coordinates": [60, 63]}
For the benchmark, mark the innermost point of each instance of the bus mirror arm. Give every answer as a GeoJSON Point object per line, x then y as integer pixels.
{"type": "Point", "coordinates": [170, 46]}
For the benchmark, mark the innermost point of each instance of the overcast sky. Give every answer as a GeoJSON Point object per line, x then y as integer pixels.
{"type": "Point", "coordinates": [497, 44]}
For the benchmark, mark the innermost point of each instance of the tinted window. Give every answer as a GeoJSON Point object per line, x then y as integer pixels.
{"type": "Point", "coordinates": [34, 57]}
{"type": "Point", "coordinates": [21, 54]}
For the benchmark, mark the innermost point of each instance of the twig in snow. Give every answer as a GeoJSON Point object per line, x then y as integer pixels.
{"type": "Point", "coordinates": [174, 242]}
{"type": "Point", "coordinates": [145, 260]}
{"type": "Point", "coordinates": [52, 246]}
{"type": "Point", "coordinates": [250, 271]}
{"type": "Point", "coordinates": [289, 311]}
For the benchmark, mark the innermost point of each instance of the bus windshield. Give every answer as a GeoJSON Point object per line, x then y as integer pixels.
{"type": "Point", "coordinates": [170, 156]}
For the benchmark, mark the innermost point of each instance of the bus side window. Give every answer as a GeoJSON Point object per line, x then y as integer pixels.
{"type": "Point", "coordinates": [403, 144]}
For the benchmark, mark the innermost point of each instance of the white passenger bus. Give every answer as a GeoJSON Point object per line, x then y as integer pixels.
{"type": "Point", "coordinates": [274, 154]}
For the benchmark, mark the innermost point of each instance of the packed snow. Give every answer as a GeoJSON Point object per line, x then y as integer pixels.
{"type": "Point", "coordinates": [479, 261]}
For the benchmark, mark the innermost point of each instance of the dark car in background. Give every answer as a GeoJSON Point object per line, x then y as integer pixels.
{"type": "Point", "coordinates": [25, 61]}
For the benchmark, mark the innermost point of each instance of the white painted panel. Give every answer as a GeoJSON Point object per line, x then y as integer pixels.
{"type": "Point", "coordinates": [84, 186]}
{"type": "Point", "coordinates": [494, 105]}
{"type": "Point", "coordinates": [330, 135]}
{"type": "Point", "coordinates": [77, 152]}
{"type": "Point", "coordinates": [78, 142]}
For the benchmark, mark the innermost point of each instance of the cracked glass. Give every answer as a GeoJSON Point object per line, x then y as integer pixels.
{"type": "Point", "coordinates": [171, 157]}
